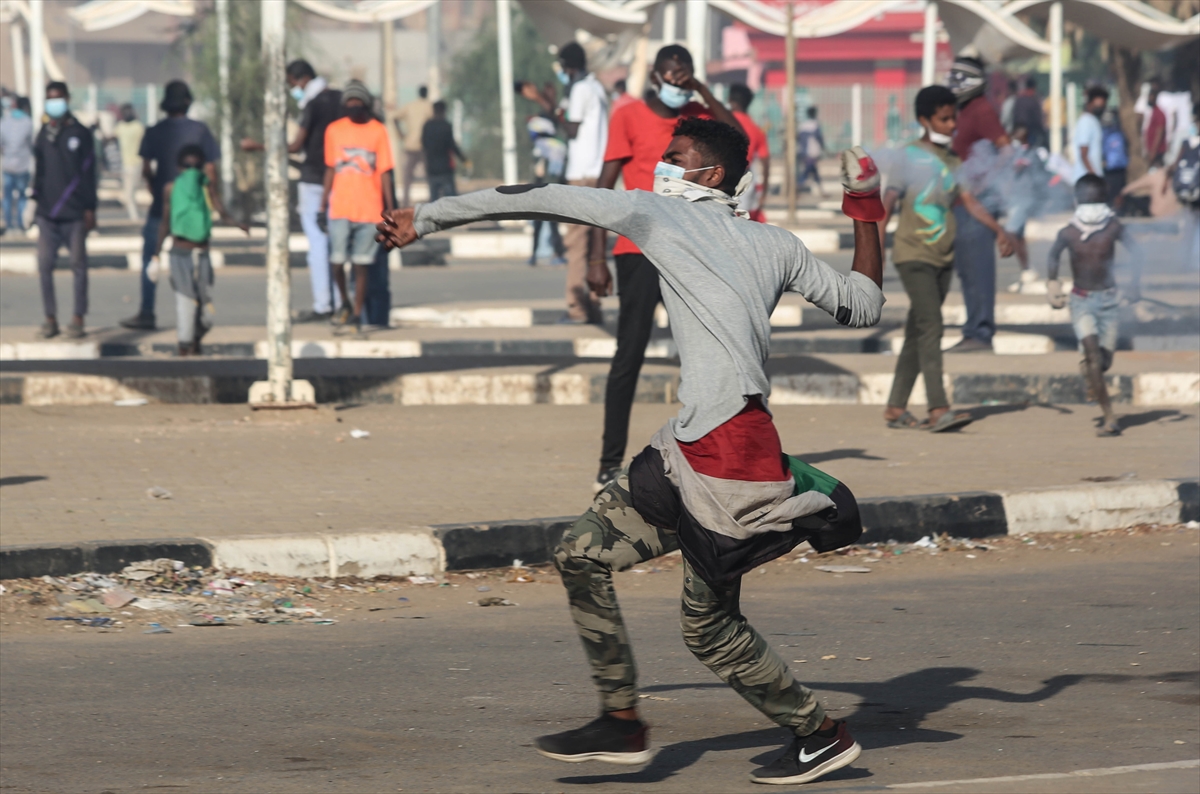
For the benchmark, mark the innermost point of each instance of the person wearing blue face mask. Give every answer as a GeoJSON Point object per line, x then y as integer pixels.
{"type": "Point", "coordinates": [64, 188]}
{"type": "Point", "coordinates": [319, 106]}
{"type": "Point", "coordinates": [16, 156]}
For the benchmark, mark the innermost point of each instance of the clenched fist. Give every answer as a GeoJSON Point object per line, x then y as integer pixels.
{"type": "Point", "coordinates": [860, 183]}
{"type": "Point", "coordinates": [396, 230]}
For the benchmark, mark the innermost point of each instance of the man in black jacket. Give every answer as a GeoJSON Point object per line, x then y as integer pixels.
{"type": "Point", "coordinates": [65, 190]}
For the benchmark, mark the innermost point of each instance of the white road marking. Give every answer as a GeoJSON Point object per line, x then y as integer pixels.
{"type": "Point", "coordinates": [1112, 770]}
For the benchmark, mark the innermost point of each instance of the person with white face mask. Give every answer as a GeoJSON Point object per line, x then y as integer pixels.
{"type": "Point", "coordinates": [927, 184]}
{"type": "Point", "coordinates": [637, 135]}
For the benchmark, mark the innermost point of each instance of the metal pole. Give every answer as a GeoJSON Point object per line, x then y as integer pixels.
{"type": "Point", "coordinates": [18, 58]}
{"type": "Point", "coordinates": [1072, 114]}
{"type": "Point", "coordinates": [507, 110]}
{"type": "Point", "coordinates": [93, 102]}
{"type": "Point", "coordinates": [929, 45]}
{"type": "Point", "coordinates": [151, 104]}
{"type": "Point", "coordinates": [789, 113]}
{"type": "Point", "coordinates": [669, 23]}
{"type": "Point", "coordinates": [433, 32]}
{"type": "Point", "coordinates": [226, 114]}
{"type": "Point", "coordinates": [37, 64]}
{"type": "Point", "coordinates": [697, 36]}
{"type": "Point", "coordinates": [279, 390]}
{"type": "Point", "coordinates": [1056, 86]}
{"type": "Point", "coordinates": [856, 131]}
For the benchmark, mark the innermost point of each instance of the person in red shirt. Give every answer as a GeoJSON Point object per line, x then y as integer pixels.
{"type": "Point", "coordinates": [638, 133]}
{"type": "Point", "coordinates": [740, 97]}
{"type": "Point", "coordinates": [974, 243]}
{"type": "Point", "coordinates": [1155, 136]}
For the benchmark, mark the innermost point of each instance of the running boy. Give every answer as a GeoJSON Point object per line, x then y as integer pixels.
{"type": "Point", "coordinates": [1091, 238]}
{"type": "Point", "coordinates": [923, 251]}
{"type": "Point", "coordinates": [187, 218]}
{"type": "Point", "coordinates": [712, 482]}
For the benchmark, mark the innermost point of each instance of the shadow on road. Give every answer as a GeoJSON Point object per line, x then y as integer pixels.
{"type": "Point", "coordinates": [813, 458]}
{"type": "Point", "coordinates": [21, 479]}
{"type": "Point", "coordinates": [890, 715]}
{"type": "Point", "coordinates": [1133, 420]}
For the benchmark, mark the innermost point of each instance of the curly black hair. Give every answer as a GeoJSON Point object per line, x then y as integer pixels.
{"type": "Point", "coordinates": [719, 144]}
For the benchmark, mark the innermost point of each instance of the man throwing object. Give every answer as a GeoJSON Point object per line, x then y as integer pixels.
{"type": "Point", "coordinates": [714, 482]}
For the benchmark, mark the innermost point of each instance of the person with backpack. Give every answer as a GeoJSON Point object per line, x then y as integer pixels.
{"type": "Point", "coordinates": [187, 217]}
{"type": "Point", "coordinates": [64, 187]}
{"type": "Point", "coordinates": [1184, 176]}
{"type": "Point", "coordinates": [1116, 154]}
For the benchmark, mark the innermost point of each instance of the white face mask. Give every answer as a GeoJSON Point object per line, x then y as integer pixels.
{"type": "Point", "coordinates": [676, 171]}
{"type": "Point", "coordinates": [939, 138]}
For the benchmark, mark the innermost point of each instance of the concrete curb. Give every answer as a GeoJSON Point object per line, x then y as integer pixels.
{"type": "Point", "coordinates": [461, 547]}
{"type": "Point", "coordinates": [520, 386]}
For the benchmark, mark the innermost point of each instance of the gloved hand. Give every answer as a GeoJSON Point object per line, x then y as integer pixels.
{"type": "Point", "coordinates": [323, 222]}
{"type": "Point", "coordinates": [1055, 295]}
{"type": "Point", "coordinates": [860, 181]}
{"type": "Point", "coordinates": [153, 269]}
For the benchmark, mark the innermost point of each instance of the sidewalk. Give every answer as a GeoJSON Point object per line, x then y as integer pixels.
{"type": "Point", "coordinates": [81, 474]}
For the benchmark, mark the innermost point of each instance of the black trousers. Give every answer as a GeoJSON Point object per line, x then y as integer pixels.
{"type": "Point", "coordinates": [638, 294]}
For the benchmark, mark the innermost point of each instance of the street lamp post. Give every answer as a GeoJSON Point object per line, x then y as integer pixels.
{"type": "Point", "coordinates": [507, 108]}
{"type": "Point", "coordinates": [37, 63]}
{"type": "Point", "coordinates": [223, 88]}
{"type": "Point", "coordinates": [279, 390]}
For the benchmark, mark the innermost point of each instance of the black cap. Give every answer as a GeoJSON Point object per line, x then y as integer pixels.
{"type": "Point", "coordinates": [177, 97]}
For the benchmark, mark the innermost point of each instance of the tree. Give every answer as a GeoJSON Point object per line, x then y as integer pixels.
{"type": "Point", "coordinates": [475, 79]}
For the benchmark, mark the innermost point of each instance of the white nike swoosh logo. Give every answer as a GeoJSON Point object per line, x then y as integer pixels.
{"type": "Point", "coordinates": [805, 757]}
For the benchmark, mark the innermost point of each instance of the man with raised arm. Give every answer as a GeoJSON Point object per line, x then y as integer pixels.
{"type": "Point", "coordinates": [714, 481]}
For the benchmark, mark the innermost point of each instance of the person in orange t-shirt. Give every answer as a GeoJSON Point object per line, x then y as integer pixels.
{"type": "Point", "coordinates": [740, 97]}
{"type": "Point", "coordinates": [358, 188]}
{"type": "Point", "coordinates": [638, 134]}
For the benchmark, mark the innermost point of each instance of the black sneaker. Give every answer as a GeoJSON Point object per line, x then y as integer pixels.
{"type": "Point", "coordinates": [139, 322]}
{"type": "Point", "coordinates": [604, 478]}
{"type": "Point", "coordinates": [310, 316]}
{"type": "Point", "coordinates": [605, 738]}
{"type": "Point", "coordinates": [810, 757]}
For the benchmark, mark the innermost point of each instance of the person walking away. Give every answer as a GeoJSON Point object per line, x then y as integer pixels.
{"type": "Point", "coordinates": [358, 186]}
{"type": "Point", "coordinates": [440, 148]}
{"type": "Point", "coordinates": [713, 482]}
{"type": "Point", "coordinates": [740, 97]}
{"type": "Point", "coordinates": [129, 134]}
{"type": "Point", "coordinates": [1116, 154]}
{"type": "Point", "coordinates": [160, 153]}
{"type": "Point", "coordinates": [1026, 192]}
{"type": "Point", "coordinates": [1184, 176]}
{"type": "Point", "coordinates": [637, 136]}
{"type": "Point", "coordinates": [1027, 113]}
{"type": "Point", "coordinates": [1091, 238]}
{"type": "Point", "coordinates": [1154, 126]}
{"type": "Point", "coordinates": [811, 147]}
{"type": "Point", "coordinates": [187, 220]}
{"type": "Point", "coordinates": [319, 105]}
{"type": "Point", "coordinates": [927, 187]}
{"type": "Point", "coordinates": [549, 168]}
{"type": "Point", "coordinates": [1087, 139]}
{"type": "Point", "coordinates": [64, 187]}
{"type": "Point", "coordinates": [410, 123]}
{"type": "Point", "coordinates": [975, 243]}
{"type": "Point", "coordinates": [16, 159]}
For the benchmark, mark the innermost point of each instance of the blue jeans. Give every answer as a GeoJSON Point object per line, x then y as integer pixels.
{"type": "Point", "coordinates": [975, 263]}
{"type": "Point", "coordinates": [15, 183]}
{"type": "Point", "coordinates": [441, 185]}
{"type": "Point", "coordinates": [351, 242]}
{"type": "Point", "coordinates": [149, 239]}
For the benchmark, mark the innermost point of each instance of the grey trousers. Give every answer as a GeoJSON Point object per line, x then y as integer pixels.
{"type": "Point", "coordinates": [53, 235]}
{"type": "Point", "coordinates": [192, 279]}
{"type": "Point", "coordinates": [926, 286]}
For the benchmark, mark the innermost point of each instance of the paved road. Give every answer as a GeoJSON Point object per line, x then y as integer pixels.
{"type": "Point", "coordinates": [1024, 660]}
{"type": "Point", "coordinates": [73, 474]}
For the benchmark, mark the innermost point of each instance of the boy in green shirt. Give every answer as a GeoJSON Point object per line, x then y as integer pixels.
{"type": "Point", "coordinates": [926, 183]}
{"type": "Point", "coordinates": [187, 217]}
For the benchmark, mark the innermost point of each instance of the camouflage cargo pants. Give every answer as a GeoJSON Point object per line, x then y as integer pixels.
{"type": "Point", "coordinates": [611, 536]}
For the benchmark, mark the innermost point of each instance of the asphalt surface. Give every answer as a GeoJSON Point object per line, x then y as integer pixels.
{"type": "Point", "coordinates": [1069, 654]}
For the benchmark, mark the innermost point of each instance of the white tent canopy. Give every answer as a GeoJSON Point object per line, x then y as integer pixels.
{"type": "Point", "coordinates": [1127, 24]}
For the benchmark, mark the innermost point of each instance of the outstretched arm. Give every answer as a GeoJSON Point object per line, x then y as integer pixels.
{"type": "Point", "coordinates": [562, 203]}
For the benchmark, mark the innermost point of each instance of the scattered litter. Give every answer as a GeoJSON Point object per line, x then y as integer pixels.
{"type": "Point", "coordinates": [422, 580]}
{"type": "Point", "coordinates": [843, 569]}
{"type": "Point", "coordinates": [158, 493]}
{"type": "Point", "coordinates": [155, 604]}
{"type": "Point", "coordinates": [972, 556]}
{"type": "Point", "coordinates": [655, 697]}
{"type": "Point", "coordinates": [157, 628]}
{"type": "Point", "coordinates": [483, 589]}
{"type": "Point", "coordinates": [1129, 475]}
{"type": "Point", "coordinates": [132, 402]}
{"type": "Point", "coordinates": [1179, 742]}
{"type": "Point", "coordinates": [495, 601]}
{"type": "Point", "coordinates": [802, 559]}
{"type": "Point", "coordinates": [800, 661]}
{"type": "Point", "coordinates": [827, 657]}
{"type": "Point", "coordinates": [862, 658]}
{"type": "Point", "coordinates": [518, 564]}
{"type": "Point", "coordinates": [356, 433]}
{"type": "Point", "coordinates": [87, 606]}
{"type": "Point", "coordinates": [925, 543]}
{"type": "Point", "coordinates": [95, 623]}
{"type": "Point", "coordinates": [320, 621]}
{"type": "Point", "coordinates": [211, 621]}
{"type": "Point", "coordinates": [117, 598]}
{"type": "Point", "coordinates": [148, 569]}
{"type": "Point", "coordinates": [520, 574]}
{"type": "Point", "coordinates": [1193, 525]}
